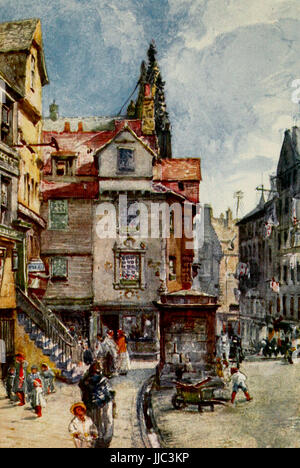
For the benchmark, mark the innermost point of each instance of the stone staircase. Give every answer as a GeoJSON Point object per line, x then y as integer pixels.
{"type": "Point", "coordinates": [51, 336]}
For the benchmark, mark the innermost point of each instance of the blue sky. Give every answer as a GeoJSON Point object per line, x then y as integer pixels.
{"type": "Point", "coordinates": [228, 66]}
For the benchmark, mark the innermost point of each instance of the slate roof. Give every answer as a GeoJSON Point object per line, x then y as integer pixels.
{"type": "Point", "coordinates": [16, 38]}
{"type": "Point", "coordinates": [17, 35]}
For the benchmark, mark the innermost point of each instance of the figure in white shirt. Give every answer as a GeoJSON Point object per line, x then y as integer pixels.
{"type": "Point", "coordinates": [238, 380]}
{"type": "Point", "coordinates": [82, 428]}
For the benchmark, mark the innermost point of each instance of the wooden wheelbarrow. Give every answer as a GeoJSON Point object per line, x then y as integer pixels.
{"type": "Point", "coordinates": [201, 395]}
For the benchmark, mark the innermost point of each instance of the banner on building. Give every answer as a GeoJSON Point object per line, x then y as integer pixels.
{"type": "Point", "coordinates": [272, 221]}
{"type": "Point", "coordinates": [275, 286]}
{"type": "Point", "coordinates": [295, 211]}
{"type": "Point", "coordinates": [243, 269]}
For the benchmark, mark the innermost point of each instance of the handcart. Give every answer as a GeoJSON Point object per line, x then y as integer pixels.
{"type": "Point", "coordinates": [201, 394]}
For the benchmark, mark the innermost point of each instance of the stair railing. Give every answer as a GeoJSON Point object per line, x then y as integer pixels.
{"type": "Point", "coordinates": [50, 325]}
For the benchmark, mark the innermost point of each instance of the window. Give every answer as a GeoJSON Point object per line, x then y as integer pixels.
{"type": "Point", "coordinates": [172, 268]}
{"type": "Point", "coordinates": [58, 214]}
{"type": "Point", "coordinates": [293, 275]}
{"type": "Point", "coordinates": [125, 160]}
{"type": "Point", "coordinates": [5, 186]}
{"type": "Point", "coordinates": [63, 166]}
{"type": "Point", "coordinates": [15, 261]}
{"type": "Point", "coordinates": [284, 309]}
{"type": "Point", "coordinates": [129, 269]}
{"type": "Point", "coordinates": [6, 119]}
{"type": "Point", "coordinates": [59, 268]}
{"type": "Point", "coordinates": [129, 266]}
{"type": "Point", "coordinates": [298, 272]}
{"type": "Point", "coordinates": [292, 306]}
{"type": "Point", "coordinates": [32, 72]}
{"type": "Point", "coordinates": [2, 260]}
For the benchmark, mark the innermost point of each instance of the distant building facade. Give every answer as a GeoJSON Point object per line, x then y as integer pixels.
{"type": "Point", "coordinates": [269, 245]}
{"type": "Point", "coordinates": [228, 235]}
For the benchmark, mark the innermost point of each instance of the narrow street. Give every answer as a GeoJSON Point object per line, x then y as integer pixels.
{"type": "Point", "coordinates": [20, 428]}
{"type": "Point", "coordinates": [271, 420]}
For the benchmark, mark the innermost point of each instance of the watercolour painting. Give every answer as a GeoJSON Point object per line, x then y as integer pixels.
{"type": "Point", "coordinates": [149, 225]}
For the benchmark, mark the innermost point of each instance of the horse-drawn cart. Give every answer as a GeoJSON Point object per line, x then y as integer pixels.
{"type": "Point", "coordinates": [201, 394]}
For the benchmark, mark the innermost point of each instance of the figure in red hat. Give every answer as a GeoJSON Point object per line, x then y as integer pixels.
{"type": "Point", "coordinates": [20, 384]}
{"type": "Point", "coordinates": [123, 356]}
{"type": "Point", "coordinates": [239, 383]}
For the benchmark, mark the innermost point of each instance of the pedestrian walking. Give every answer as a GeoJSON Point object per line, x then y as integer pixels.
{"type": "Point", "coordinates": [37, 398]}
{"type": "Point", "coordinates": [123, 355]}
{"type": "Point", "coordinates": [98, 398]}
{"type": "Point", "coordinates": [35, 390]}
{"type": "Point", "coordinates": [82, 428]}
{"type": "Point", "coordinates": [239, 383]}
{"type": "Point", "coordinates": [88, 357]}
{"type": "Point", "coordinates": [48, 378]}
{"type": "Point", "coordinates": [9, 383]}
{"type": "Point", "coordinates": [2, 358]}
{"type": "Point", "coordinates": [111, 354]}
{"type": "Point", "coordinates": [20, 383]}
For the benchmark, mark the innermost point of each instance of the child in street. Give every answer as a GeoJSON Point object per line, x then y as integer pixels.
{"type": "Point", "coordinates": [48, 379]}
{"type": "Point", "coordinates": [35, 391]}
{"type": "Point", "coordinates": [239, 383]}
{"type": "Point", "coordinates": [20, 382]}
{"type": "Point", "coordinates": [37, 399]}
{"type": "Point", "coordinates": [82, 428]}
{"type": "Point", "coordinates": [9, 384]}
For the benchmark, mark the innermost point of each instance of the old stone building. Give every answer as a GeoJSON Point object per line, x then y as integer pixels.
{"type": "Point", "coordinates": [23, 64]}
{"type": "Point", "coordinates": [228, 235]}
{"type": "Point", "coordinates": [10, 238]}
{"type": "Point", "coordinates": [116, 175]}
{"type": "Point", "coordinates": [269, 247]}
{"type": "Point", "coordinates": [25, 324]}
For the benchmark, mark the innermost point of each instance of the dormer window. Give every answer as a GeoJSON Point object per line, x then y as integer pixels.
{"type": "Point", "coordinates": [126, 160]}
{"type": "Point", "coordinates": [63, 165]}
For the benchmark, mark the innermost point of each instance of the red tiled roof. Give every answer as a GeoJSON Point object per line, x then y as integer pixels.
{"type": "Point", "coordinates": [184, 169]}
{"type": "Point", "coordinates": [84, 144]}
{"type": "Point", "coordinates": [86, 190]}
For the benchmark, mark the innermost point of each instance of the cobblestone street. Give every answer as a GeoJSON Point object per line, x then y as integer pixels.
{"type": "Point", "coordinates": [19, 427]}
{"type": "Point", "coordinates": [271, 420]}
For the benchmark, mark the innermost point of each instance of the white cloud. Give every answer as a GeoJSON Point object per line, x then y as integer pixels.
{"type": "Point", "coordinates": [120, 27]}
{"type": "Point", "coordinates": [229, 73]}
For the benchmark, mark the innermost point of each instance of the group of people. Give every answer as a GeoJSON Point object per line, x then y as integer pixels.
{"type": "Point", "coordinates": [229, 347]}
{"type": "Point", "coordinates": [92, 424]}
{"type": "Point", "coordinates": [111, 353]}
{"type": "Point", "coordinates": [23, 384]}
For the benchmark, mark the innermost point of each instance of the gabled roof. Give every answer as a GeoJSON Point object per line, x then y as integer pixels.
{"type": "Point", "coordinates": [100, 145]}
{"type": "Point", "coordinates": [16, 39]}
{"type": "Point", "coordinates": [17, 35]}
{"type": "Point", "coordinates": [290, 151]}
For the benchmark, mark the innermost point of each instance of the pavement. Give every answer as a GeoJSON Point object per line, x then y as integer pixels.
{"type": "Point", "coordinates": [271, 420]}
{"type": "Point", "coordinates": [19, 427]}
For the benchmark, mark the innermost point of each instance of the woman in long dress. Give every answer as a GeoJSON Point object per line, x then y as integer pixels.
{"type": "Point", "coordinates": [123, 355]}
